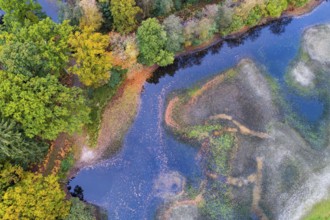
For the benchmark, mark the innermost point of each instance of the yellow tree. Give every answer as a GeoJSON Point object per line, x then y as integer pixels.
{"type": "Point", "coordinates": [93, 62]}
{"type": "Point", "coordinates": [34, 197]}
{"type": "Point", "coordinates": [124, 15]}
{"type": "Point", "coordinates": [92, 17]}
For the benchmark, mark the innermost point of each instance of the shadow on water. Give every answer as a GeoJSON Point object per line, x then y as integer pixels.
{"type": "Point", "coordinates": [277, 27]}
{"type": "Point", "coordinates": [128, 185]}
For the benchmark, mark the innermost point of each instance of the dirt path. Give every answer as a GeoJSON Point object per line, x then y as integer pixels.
{"type": "Point", "coordinates": [243, 129]}
{"type": "Point", "coordinates": [56, 153]}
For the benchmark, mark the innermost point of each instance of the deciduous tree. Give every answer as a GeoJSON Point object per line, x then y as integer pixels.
{"type": "Point", "coordinates": [92, 17]}
{"type": "Point", "coordinates": [21, 12]}
{"type": "Point", "coordinates": [163, 7]}
{"type": "Point", "coordinates": [9, 176]}
{"type": "Point", "coordinates": [174, 29]}
{"type": "Point", "coordinates": [190, 32]}
{"type": "Point", "coordinates": [152, 40]}
{"type": "Point", "coordinates": [36, 50]}
{"type": "Point", "coordinates": [276, 7]}
{"type": "Point", "coordinates": [124, 14]}
{"type": "Point", "coordinates": [93, 62]}
{"type": "Point", "coordinates": [42, 105]}
{"type": "Point", "coordinates": [34, 197]}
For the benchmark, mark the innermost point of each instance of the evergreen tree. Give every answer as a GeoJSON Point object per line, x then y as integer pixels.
{"type": "Point", "coordinates": [17, 148]}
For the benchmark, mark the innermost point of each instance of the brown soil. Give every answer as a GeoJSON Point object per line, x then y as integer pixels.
{"type": "Point", "coordinates": [56, 153]}
{"type": "Point", "coordinates": [257, 191]}
{"type": "Point", "coordinates": [169, 113]}
{"type": "Point", "coordinates": [243, 130]}
{"type": "Point", "coordinates": [116, 120]}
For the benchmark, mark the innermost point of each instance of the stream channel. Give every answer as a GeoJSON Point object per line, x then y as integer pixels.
{"type": "Point", "coordinates": [128, 185]}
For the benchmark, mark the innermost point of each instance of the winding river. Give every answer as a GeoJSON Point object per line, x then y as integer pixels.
{"type": "Point", "coordinates": [128, 185]}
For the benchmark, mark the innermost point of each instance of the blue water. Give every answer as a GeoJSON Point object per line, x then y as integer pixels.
{"type": "Point", "coordinates": [50, 7]}
{"type": "Point", "coordinates": [124, 184]}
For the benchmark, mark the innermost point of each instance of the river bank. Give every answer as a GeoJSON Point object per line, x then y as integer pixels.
{"type": "Point", "coordinates": [150, 151]}
{"type": "Point", "coordinates": [121, 110]}
{"type": "Point", "coordinates": [291, 12]}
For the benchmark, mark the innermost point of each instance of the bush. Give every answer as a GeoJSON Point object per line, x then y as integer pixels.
{"type": "Point", "coordinates": [236, 24]}
{"type": "Point", "coordinates": [254, 16]}
{"type": "Point", "coordinates": [224, 18]}
{"type": "Point", "coordinates": [297, 3]}
{"type": "Point", "coordinates": [66, 165]}
{"type": "Point", "coordinates": [276, 7]}
{"type": "Point", "coordinates": [80, 211]}
{"type": "Point", "coordinates": [174, 29]}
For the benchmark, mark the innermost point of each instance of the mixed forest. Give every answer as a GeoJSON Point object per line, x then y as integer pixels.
{"type": "Point", "coordinates": [57, 77]}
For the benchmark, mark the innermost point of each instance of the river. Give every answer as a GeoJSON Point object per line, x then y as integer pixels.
{"type": "Point", "coordinates": [126, 185]}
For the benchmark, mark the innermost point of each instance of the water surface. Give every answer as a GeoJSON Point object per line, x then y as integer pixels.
{"type": "Point", "coordinates": [124, 185]}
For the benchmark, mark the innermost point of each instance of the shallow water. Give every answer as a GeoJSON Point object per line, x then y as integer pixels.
{"type": "Point", "coordinates": [125, 185]}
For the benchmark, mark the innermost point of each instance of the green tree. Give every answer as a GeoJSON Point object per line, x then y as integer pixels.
{"type": "Point", "coordinates": [17, 148]}
{"type": "Point", "coordinates": [174, 29]}
{"type": "Point", "coordinates": [164, 7]}
{"type": "Point", "coordinates": [124, 14]}
{"type": "Point", "coordinates": [20, 11]}
{"type": "Point", "coordinates": [36, 50]}
{"type": "Point", "coordinates": [34, 197]}
{"type": "Point", "coordinates": [107, 16]}
{"type": "Point", "coordinates": [80, 211]}
{"type": "Point", "coordinates": [92, 60]}
{"type": "Point", "coordinates": [42, 105]}
{"type": "Point", "coordinates": [152, 40]}
{"type": "Point", "coordinates": [297, 3]}
{"type": "Point", "coordinates": [276, 7]}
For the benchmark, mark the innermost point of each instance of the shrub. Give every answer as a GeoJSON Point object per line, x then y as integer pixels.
{"type": "Point", "coordinates": [276, 7]}
{"type": "Point", "coordinates": [254, 16]}
{"type": "Point", "coordinates": [80, 210]}
{"type": "Point", "coordinates": [174, 29]}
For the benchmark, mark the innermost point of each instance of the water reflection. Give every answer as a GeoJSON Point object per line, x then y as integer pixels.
{"type": "Point", "coordinates": [183, 62]}
{"type": "Point", "coordinates": [276, 27]}
{"type": "Point", "coordinates": [125, 186]}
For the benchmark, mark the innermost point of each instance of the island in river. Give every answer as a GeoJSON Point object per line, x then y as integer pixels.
{"type": "Point", "coordinates": [263, 143]}
{"type": "Point", "coordinates": [256, 158]}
